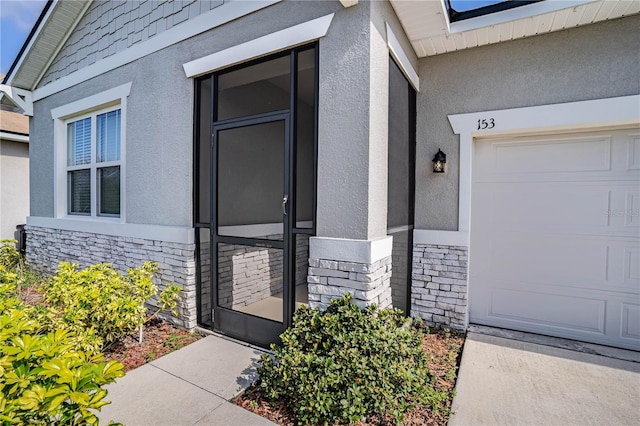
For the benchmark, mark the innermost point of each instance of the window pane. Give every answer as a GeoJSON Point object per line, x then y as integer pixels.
{"type": "Point", "coordinates": [251, 180]}
{"type": "Point", "coordinates": [79, 192]}
{"type": "Point", "coordinates": [108, 135]}
{"type": "Point", "coordinates": [79, 142]}
{"type": "Point", "coordinates": [255, 89]}
{"type": "Point", "coordinates": [109, 191]}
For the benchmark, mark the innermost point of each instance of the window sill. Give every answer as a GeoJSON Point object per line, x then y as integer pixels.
{"type": "Point", "coordinates": [116, 227]}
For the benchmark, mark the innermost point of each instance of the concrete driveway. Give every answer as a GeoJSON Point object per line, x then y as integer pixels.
{"type": "Point", "coordinates": [509, 382]}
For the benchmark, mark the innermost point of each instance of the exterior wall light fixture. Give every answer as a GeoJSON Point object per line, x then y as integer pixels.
{"type": "Point", "coordinates": [439, 161]}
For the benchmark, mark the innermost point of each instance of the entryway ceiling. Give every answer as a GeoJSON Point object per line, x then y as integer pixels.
{"type": "Point", "coordinates": [427, 25]}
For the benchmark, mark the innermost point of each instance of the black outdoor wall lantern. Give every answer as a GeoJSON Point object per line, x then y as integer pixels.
{"type": "Point", "coordinates": [439, 160]}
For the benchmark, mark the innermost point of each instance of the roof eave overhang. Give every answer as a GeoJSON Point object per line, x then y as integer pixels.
{"type": "Point", "coordinates": [51, 31]}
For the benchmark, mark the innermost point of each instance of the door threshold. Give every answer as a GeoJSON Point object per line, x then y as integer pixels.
{"type": "Point", "coordinates": [208, 332]}
{"type": "Point", "coordinates": [558, 342]}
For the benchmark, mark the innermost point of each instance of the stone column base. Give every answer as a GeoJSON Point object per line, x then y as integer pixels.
{"type": "Point", "coordinates": [439, 285]}
{"type": "Point", "coordinates": [359, 267]}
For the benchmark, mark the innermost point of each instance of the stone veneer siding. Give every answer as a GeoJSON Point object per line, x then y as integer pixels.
{"type": "Point", "coordinates": [247, 274]}
{"type": "Point", "coordinates": [439, 285]}
{"type": "Point", "coordinates": [368, 283]}
{"type": "Point", "coordinates": [47, 247]}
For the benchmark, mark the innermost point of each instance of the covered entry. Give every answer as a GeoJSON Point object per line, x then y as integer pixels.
{"type": "Point", "coordinates": [555, 235]}
{"type": "Point", "coordinates": [255, 198]}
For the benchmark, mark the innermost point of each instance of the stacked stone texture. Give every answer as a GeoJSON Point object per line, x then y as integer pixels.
{"type": "Point", "coordinates": [332, 279]}
{"type": "Point", "coordinates": [247, 274]}
{"type": "Point", "coordinates": [439, 285]}
{"type": "Point", "coordinates": [47, 247]}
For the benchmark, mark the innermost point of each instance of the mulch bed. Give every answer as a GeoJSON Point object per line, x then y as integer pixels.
{"type": "Point", "coordinates": [158, 339]}
{"type": "Point", "coordinates": [443, 349]}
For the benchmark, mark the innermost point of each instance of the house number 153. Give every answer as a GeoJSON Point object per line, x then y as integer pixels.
{"type": "Point", "coordinates": [485, 124]}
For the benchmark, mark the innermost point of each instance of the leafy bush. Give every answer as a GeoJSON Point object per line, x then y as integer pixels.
{"type": "Point", "coordinates": [44, 378]}
{"type": "Point", "coordinates": [347, 363]}
{"type": "Point", "coordinates": [9, 256]}
{"type": "Point", "coordinates": [101, 300]}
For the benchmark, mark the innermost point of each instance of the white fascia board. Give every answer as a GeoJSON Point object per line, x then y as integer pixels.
{"type": "Point", "coordinates": [172, 234]}
{"type": "Point", "coordinates": [570, 116]}
{"type": "Point", "coordinates": [348, 3]}
{"type": "Point", "coordinates": [520, 12]}
{"type": "Point", "coordinates": [21, 98]}
{"type": "Point", "coordinates": [441, 238]}
{"type": "Point", "coordinates": [227, 12]}
{"type": "Point", "coordinates": [401, 58]}
{"type": "Point", "coordinates": [261, 46]}
{"type": "Point", "coordinates": [348, 250]}
{"type": "Point", "coordinates": [33, 40]}
{"type": "Point", "coordinates": [13, 137]}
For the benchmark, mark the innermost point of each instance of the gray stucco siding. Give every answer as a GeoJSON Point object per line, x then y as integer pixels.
{"type": "Point", "coordinates": [111, 26]}
{"type": "Point", "coordinates": [159, 132]}
{"type": "Point", "coordinates": [595, 61]}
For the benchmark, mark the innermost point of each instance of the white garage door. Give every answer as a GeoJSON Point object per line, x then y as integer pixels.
{"type": "Point", "coordinates": [555, 236]}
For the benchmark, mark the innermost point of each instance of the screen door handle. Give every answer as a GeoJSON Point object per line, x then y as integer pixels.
{"type": "Point", "coordinates": [284, 204]}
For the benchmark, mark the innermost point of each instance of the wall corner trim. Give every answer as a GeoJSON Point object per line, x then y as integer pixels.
{"type": "Point", "coordinates": [401, 58]}
{"type": "Point", "coordinates": [441, 238]}
{"type": "Point", "coordinates": [261, 46]}
{"type": "Point", "coordinates": [349, 250]}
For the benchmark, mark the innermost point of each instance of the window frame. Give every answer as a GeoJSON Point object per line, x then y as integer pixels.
{"type": "Point", "coordinates": [90, 107]}
{"type": "Point", "coordinates": [94, 165]}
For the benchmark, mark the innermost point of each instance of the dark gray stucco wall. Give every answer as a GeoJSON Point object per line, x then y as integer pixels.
{"type": "Point", "coordinates": [159, 133]}
{"type": "Point", "coordinates": [595, 61]}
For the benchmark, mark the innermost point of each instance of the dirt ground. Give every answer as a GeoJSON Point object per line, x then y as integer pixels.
{"type": "Point", "coordinates": [158, 339]}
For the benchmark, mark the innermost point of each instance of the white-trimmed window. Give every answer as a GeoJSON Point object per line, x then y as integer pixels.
{"type": "Point", "coordinates": [90, 156]}
{"type": "Point", "coordinates": [93, 164]}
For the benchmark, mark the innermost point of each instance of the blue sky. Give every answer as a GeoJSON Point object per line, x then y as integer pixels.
{"type": "Point", "coordinates": [16, 20]}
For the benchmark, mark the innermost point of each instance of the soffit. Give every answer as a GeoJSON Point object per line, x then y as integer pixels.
{"type": "Point", "coordinates": [430, 33]}
{"type": "Point", "coordinates": [46, 42]}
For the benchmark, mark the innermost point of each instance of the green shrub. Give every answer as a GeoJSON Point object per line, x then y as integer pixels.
{"type": "Point", "coordinates": [44, 378]}
{"type": "Point", "coordinates": [347, 363]}
{"type": "Point", "coordinates": [9, 256]}
{"type": "Point", "coordinates": [101, 300]}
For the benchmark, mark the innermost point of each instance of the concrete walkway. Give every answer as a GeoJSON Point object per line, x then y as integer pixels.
{"type": "Point", "coordinates": [509, 382]}
{"type": "Point", "coordinates": [191, 386]}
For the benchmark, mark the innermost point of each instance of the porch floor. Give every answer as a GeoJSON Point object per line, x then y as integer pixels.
{"type": "Point", "coordinates": [271, 307]}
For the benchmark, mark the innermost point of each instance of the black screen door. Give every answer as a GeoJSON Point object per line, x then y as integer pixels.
{"type": "Point", "coordinates": [255, 197]}
{"type": "Point", "coordinates": [251, 238]}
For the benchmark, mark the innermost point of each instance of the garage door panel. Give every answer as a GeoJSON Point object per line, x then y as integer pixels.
{"type": "Point", "coordinates": [555, 236]}
{"type": "Point", "coordinates": [631, 211]}
{"type": "Point", "coordinates": [561, 260]}
{"type": "Point", "coordinates": [633, 152]}
{"type": "Point", "coordinates": [559, 311]}
{"type": "Point", "coordinates": [630, 321]}
{"type": "Point", "coordinates": [569, 156]}
{"type": "Point", "coordinates": [535, 205]}
{"type": "Point", "coordinates": [631, 267]}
